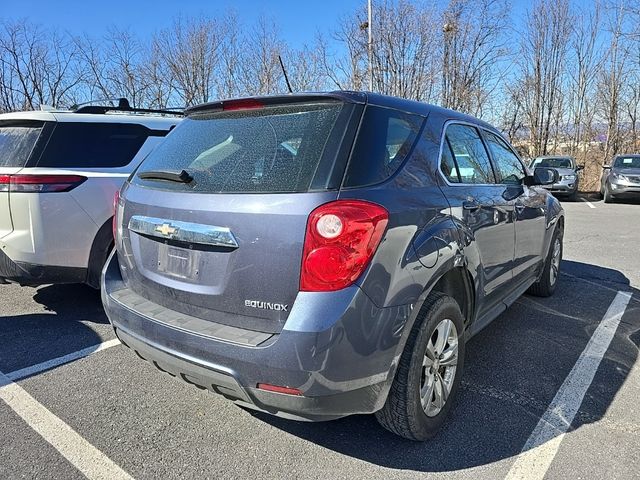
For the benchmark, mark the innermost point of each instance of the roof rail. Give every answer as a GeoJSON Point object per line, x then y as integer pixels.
{"type": "Point", "coordinates": [123, 106]}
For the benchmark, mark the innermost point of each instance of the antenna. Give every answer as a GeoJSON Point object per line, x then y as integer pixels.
{"type": "Point", "coordinates": [284, 71]}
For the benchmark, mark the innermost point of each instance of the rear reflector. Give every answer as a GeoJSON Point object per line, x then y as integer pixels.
{"type": "Point", "coordinates": [39, 183]}
{"type": "Point", "coordinates": [242, 104]}
{"type": "Point", "coordinates": [277, 389]}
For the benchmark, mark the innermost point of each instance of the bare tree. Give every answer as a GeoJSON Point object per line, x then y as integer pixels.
{"type": "Point", "coordinates": [542, 68]}
{"type": "Point", "coordinates": [37, 66]}
{"type": "Point", "coordinates": [405, 51]}
{"type": "Point", "coordinates": [585, 63]}
{"type": "Point", "coordinates": [191, 50]}
{"type": "Point", "coordinates": [261, 73]}
{"type": "Point", "coordinates": [473, 35]}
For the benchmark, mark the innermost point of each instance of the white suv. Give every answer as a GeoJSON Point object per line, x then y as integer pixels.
{"type": "Point", "coordinates": [59, 171]}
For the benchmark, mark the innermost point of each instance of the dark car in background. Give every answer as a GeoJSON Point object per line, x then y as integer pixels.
{"type": "Point", "coordinates": [569, 175]}
{"type": "Point", "coordinates": [320, 255]}
{"type": "Point", "coordinates": [621, 179]}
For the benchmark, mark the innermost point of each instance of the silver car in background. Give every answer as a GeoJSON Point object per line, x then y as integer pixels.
{"type": "Point", "coordinates": [569, 171]}
{"type": "Point", "coordinates": [621, 179]}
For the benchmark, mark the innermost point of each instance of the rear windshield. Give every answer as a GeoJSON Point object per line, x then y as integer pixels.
{"type": "Point", "coordinates": [552, 162]}
{"type": "Point", "coordinates": [627, 162]}
{"type": "Point", "coordinates": [17, 142]}
{"type": "Point", "coordinates": [90, 145]}
{"type": "Point", "coordinates": [271, 150]}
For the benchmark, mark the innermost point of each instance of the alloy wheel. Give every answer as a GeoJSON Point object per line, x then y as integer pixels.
{"type": "Point", "coordinates": [555, 261]}
{"type": "Point", "coordinates": [439, 367]}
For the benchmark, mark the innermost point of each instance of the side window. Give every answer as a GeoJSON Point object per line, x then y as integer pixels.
{"type": "Point", "coordinates": [385, 139]}
{"type": "Point", "coordinates": [507, 163]}
{"type": "Point", "coordinates": [448, 165]}
{"type": "Point", "coordinates": [90, 145]}
{"type": "Point", "coordinates": [469, 154]}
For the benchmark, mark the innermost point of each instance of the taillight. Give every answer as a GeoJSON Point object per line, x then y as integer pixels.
{"type": "Point", "coordinates": [114, 221]}
{"type": "Point", "coordinates": [39, 183]}
{"type": "Point", "coordinates": [242, 104]}
{"type": "Point", "coordinates": [341, 238]}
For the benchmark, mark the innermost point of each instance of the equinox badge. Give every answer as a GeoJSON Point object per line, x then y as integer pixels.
{"type": "Point", "coordinates": [266, 305]}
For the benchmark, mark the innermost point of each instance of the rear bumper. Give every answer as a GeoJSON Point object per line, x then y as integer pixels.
{"type": "Point", "coordinates": [30, 274]}
{"type": "Point", "coordinates": [339, 369]}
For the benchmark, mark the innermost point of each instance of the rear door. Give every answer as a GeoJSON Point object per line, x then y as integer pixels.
{"type": "Point", "coordinates": [17, 142]}
{"type": "Point", "coordinates": [226, 244]}
{"type": "Point", "coordinates": [480, 206]}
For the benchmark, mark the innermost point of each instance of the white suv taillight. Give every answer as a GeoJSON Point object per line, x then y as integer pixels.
{"type": "Point", "coordinates": [341, 238]}
{"type": "Point", "coordinates": [39, 183]}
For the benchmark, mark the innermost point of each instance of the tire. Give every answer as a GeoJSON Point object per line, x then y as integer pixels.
{"type": "Point", "coordinates": [573, 197]}
{"type": "Point", "coordinates": [403, 413]}
{"type": "Point", "coordinates": [608, 198]}
{"type": "Point", "coordinates": [546, 284]}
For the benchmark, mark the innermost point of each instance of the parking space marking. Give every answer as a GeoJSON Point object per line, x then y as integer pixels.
{"type": "Point", "coordinates": [543, 444]}
{"type": "Point", "coordinates": [591, 205]}
{"type": "Point", "coordinates": [55, 362]}
{"type": "Point", "coordinates": [80, 453]}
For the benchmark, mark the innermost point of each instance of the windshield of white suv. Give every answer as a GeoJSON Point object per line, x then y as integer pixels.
{"type": "Point", "coordinates": [627, 162]}
{"type": "Point", "coordinates": [17, 142]}
{"type": "Point", "coordinates": [552, 162]}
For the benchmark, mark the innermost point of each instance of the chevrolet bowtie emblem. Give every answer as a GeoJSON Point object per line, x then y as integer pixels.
{"type": "Point", "coordinates": [166, 229]}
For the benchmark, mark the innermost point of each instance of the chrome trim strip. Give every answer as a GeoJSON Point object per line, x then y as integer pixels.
{"type": "Point", "coordinates": [187, 232]}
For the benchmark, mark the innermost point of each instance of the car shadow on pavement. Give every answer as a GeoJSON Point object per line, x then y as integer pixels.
{"type": "Point", "coordinates": [514, 368]}
{"type": "Point", "coordinates": [65, 327]}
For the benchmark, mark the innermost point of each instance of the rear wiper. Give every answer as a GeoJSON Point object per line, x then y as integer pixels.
{"type": "Point", "coordinates": [173, 176]}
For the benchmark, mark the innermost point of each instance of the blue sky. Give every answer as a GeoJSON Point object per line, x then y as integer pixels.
{"type": "Point", "coordinates": [298, 20]}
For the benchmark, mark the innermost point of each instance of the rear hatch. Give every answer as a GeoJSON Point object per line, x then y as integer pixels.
{"type": "Point", "coordinates": [213, 222]}
{"type": "Point", "coordinates": [17, 141]}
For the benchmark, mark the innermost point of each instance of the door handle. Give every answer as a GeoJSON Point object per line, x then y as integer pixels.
{"type": "Point", "coordinates": [470, 205]}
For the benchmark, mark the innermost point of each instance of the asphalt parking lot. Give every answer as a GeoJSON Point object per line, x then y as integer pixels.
{"type": "Point", "coordinates": [110, 414]}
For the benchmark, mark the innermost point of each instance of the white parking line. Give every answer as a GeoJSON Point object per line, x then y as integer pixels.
{"type": "Point", "coordinates": [591, 205]}
{"type": "Point", "coordinates": [81, 454]}
{"type": "Point", "coordinates": [543, 444]}
{"type": "Point", "coordinates": [41, 367]}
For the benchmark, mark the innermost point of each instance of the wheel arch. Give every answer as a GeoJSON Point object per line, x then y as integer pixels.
{"type": "Point", "coordinates": [100, 249]}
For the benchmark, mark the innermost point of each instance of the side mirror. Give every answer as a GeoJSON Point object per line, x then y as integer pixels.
{"type": "Point", "coordinates": [579, 167]}
{"type": "Point", "coordinates": [542, 176]}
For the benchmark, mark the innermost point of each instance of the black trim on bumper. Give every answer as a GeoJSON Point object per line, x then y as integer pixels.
{"type": "Point", "coordinates": [31, 274]}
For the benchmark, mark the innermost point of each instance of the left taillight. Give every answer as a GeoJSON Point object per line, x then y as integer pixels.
{"type": "Point", "coordinates": [116, 203]}
{"type": "Point", "coordinates": [40, 183]}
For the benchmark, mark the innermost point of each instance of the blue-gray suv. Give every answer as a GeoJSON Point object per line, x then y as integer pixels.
{"type": "Point", "coordinates": [320, 255]}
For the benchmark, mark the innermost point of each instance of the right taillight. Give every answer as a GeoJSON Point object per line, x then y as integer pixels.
{"type": "Point", "coordinates": [341, 238]}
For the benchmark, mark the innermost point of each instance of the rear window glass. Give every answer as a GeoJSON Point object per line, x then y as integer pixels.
{"type": "Point", "coordinates": [17, 142]}
{"type": "Point", "coordinates": [385, 139]}
{"type": "Point", "coordinates": [270, 150]}
{"type": "Point", "coordinates": [88, 145]}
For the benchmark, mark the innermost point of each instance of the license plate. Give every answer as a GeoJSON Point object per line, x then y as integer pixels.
{"type": "Point", "coordinates": [178, 262]}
